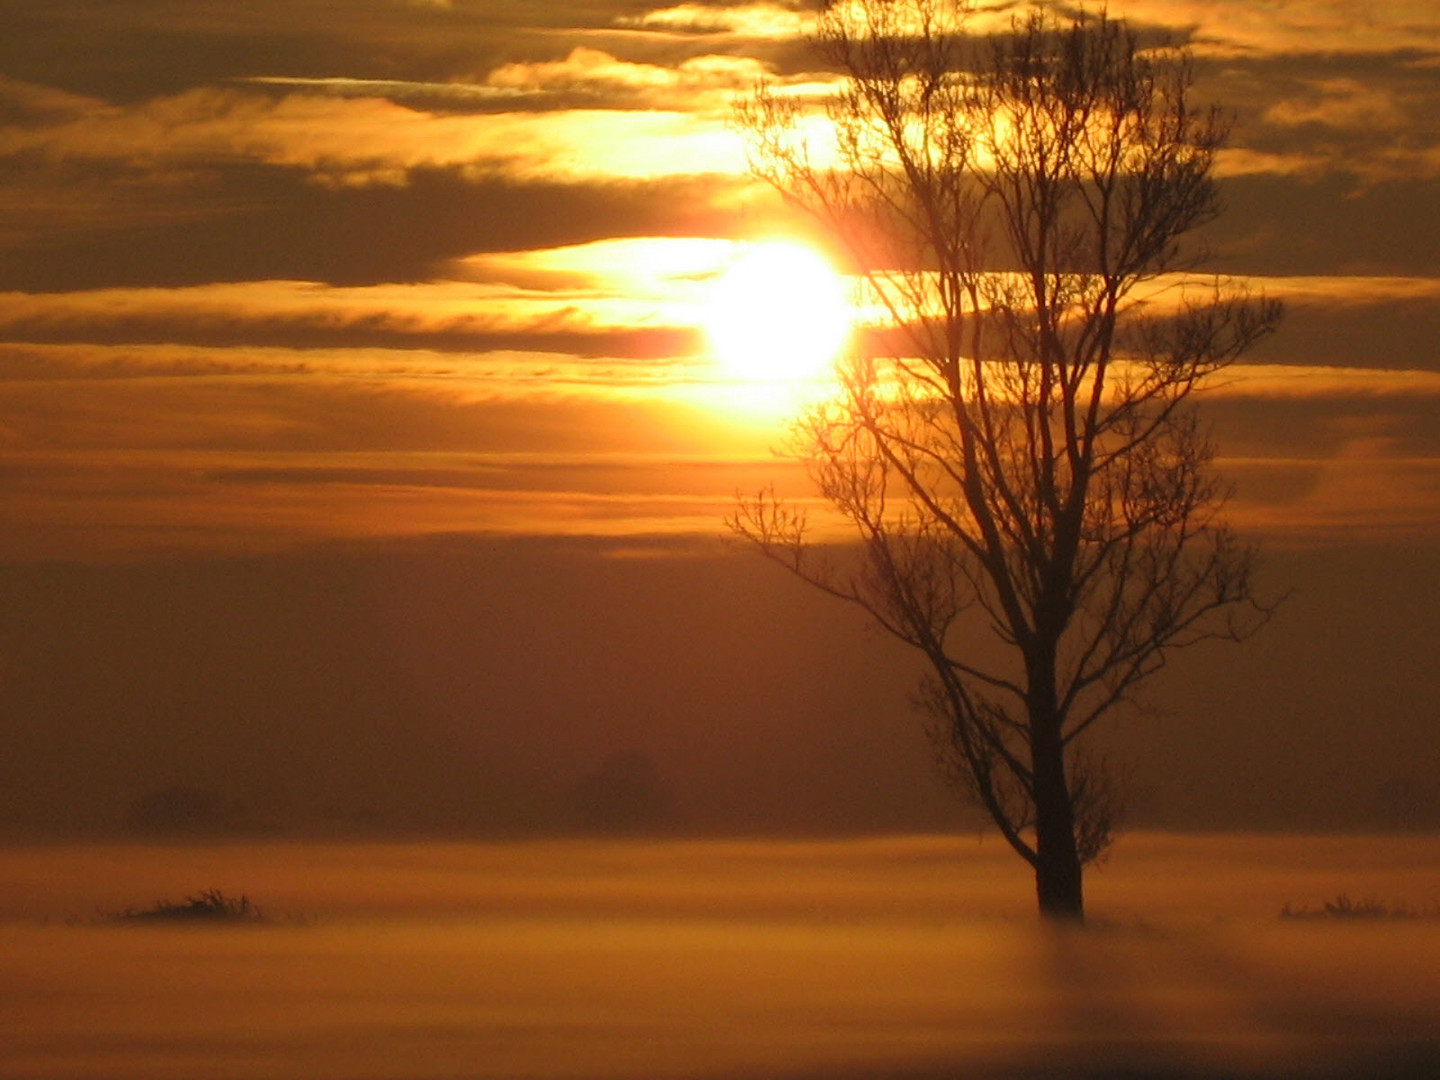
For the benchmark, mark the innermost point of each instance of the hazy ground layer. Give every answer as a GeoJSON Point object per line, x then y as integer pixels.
{"type": "Point", "coordinates": [912, 957]}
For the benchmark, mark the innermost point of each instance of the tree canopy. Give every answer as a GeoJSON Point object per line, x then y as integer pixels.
{"type": "Point", "coordinates": [1014, 442]}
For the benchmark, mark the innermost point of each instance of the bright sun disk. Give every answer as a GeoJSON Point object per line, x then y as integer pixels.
{"type": "Point", "coordinates": [777, 312]}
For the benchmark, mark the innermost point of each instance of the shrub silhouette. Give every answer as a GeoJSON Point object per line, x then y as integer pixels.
{"type": "Point", "coordinates": [1342, 907]}
{"type": "Point", "coordinates": [211, 905]}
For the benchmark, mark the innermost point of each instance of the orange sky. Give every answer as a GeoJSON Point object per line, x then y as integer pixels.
{"type": "Point", "coordinates": [274, 282]}
{"type": "Point", "coordinates": [442, 234]}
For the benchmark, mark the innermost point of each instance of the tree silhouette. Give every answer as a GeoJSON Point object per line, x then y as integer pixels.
{"type": "Point", "coordinates": [1016, 445]}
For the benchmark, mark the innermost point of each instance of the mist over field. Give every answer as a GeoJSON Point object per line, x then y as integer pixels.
{"type": "Point", "coordinates": [901, 956]}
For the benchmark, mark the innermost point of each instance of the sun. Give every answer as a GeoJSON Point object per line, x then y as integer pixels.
{"type": "Point", "coordinates": [777, 312]}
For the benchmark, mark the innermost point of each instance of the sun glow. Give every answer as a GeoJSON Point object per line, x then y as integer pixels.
{"type": "Point", "coordinates": [778, 312]}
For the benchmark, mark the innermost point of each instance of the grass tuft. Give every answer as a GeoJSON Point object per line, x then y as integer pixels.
{"type": "Point", "coordinates": [1342, 907]}
{"type": "Point", "coordinates": [211, 905]}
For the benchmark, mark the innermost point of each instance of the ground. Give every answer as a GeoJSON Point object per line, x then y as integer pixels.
{"type": "Point", "coordinates": [912, 957]}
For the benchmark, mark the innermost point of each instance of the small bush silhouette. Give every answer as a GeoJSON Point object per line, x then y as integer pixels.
{"type": "Point", "coordinates": [211, 905]}
{"type": "Point", "coordinates": [1342, 907]}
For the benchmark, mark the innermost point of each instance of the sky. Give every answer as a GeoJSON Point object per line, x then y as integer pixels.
{"type": "Point", "coordinates": [363, 457]}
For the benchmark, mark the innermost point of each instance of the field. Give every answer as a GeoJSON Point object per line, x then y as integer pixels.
{"type": "Point", "coordinates": [910, 957]}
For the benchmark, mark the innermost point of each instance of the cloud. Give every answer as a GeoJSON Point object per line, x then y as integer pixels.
{"type": "Point", "coordinates": [427, 96]}
{"type": "Point", "coordinates": [78, 229]}
{"type": "Point", "coordinates": [477, 375]}
{"type": "Point", "coordinates": [750, 20]}
{"type": "Point", "coordinates": [131, 469]}
{"type": "Point", "coordinates": [27, 104]}
{"type": "Point", "coordinates": [481, 204]}
{"type": "Point", "coordinates": [465, 315]}
{"type": "Point", "coordinates": [698, 83]}
{"type": "Point", "coordinates": [1323, 224]}
{"type": "Point", "coordinates": [1305, 27]}
{"type": "Point", "coordinates": [1317, 89]}
{"type": "Point", "coordinates": [1351, 289]}
{"type": "Point", "coordinates": [344, 141]}
{"type": "Point", "coordinates": [106, 398]}
{"type": "Point", "coordinates": [1364, 495]}
{"type": "Point", "coordinates": [1240, 161]}
{"type": "Point", "coordinates": [1300, 382]}
{"type": "Point", "coordinates": [130, 447]}
{"type": "Point", "coordinates": [640, 266]}
{"type": "Point", "coordinates": [1215, 27]}
{"type": "Point", "coordinates": [1370, 123]}
{"type": "Point", "coordinates": [1345, 103]}
{"type": "Point", "coordinates": [642, 297]}
{"type": "Point", "coordinates": [637, 298]}
{"type": "Point", "coordinates": [138, 509]}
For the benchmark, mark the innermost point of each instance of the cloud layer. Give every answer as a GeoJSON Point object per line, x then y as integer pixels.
{"type": "Point", "coordinates": [459, 230]}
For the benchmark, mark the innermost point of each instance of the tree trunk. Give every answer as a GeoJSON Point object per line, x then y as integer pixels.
{"type": "Point", "coordinates": [1058, 875]}
{"type": "Point", "coordinates": [1059, 884]}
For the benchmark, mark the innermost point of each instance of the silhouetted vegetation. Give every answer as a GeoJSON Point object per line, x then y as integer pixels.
{"type": "Point", "coordinates": [1342, 907]}
{"type": "Point", "coordinates": [210, 905]}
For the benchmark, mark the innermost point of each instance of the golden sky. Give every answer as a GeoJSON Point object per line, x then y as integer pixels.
{"type": "Point", "coordinates": [363, 449]}
{"type": "Point", "coordinates": [279, 272]}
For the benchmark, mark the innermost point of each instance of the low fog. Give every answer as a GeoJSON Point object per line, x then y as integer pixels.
{"type": "Point", "coordinates": [902, 957]}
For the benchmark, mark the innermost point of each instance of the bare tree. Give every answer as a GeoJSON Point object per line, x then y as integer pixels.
{"type": "Point", "coordinates": [1016, 445]}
